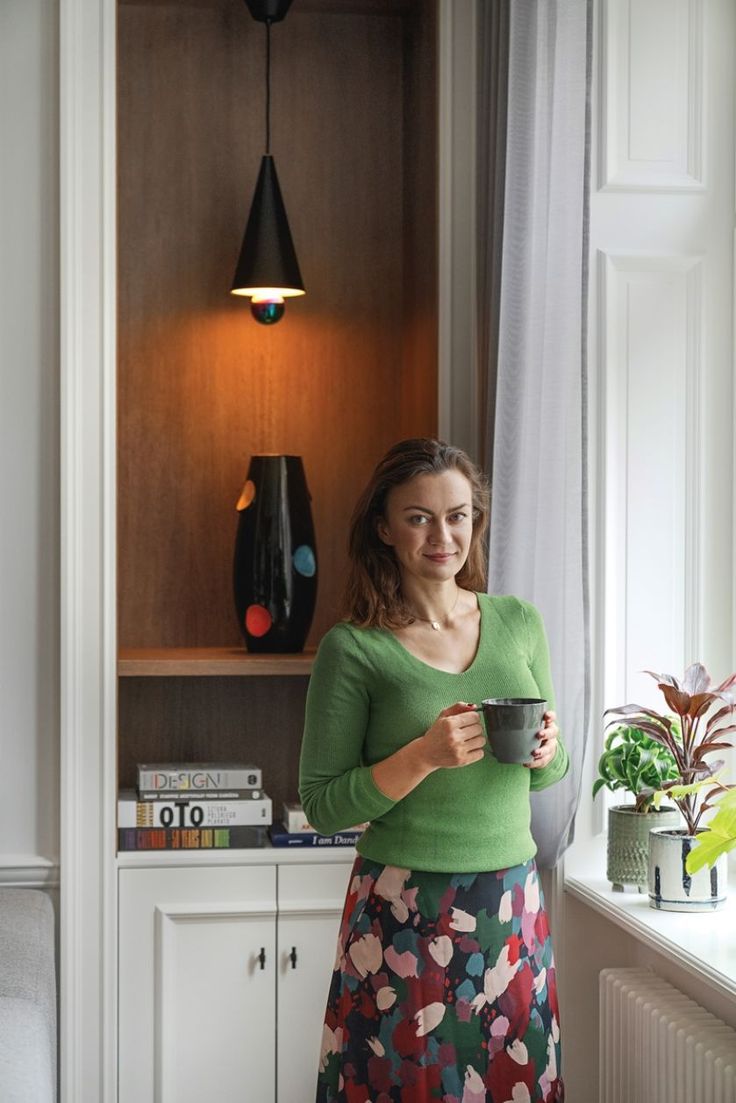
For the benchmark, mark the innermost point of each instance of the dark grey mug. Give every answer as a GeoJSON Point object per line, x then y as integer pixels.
{"type": "Point", "coordinates": [512, 724]}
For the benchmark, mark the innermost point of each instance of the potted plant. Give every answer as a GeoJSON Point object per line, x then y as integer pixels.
{"type": "Point", "coordinates": [637, 764]}
{"type": "Point", "coordinates": [702, 733]}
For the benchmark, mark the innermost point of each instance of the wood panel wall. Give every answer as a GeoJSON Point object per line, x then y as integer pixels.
{"type": "Point", "coordinates": [350, 369]}
{"type": "Point", "coordinates": [255, 720]}
{"type": "Point", "coordinates": [201, 386]}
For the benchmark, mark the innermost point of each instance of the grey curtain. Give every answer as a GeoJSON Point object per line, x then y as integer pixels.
{"type": "Point", "coordinates": [493, 76]}
{"type": "Point", "coordinates": [539, 516]}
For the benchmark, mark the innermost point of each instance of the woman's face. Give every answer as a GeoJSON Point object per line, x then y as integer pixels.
{"type": "Point", "coordinates": [429, 524]}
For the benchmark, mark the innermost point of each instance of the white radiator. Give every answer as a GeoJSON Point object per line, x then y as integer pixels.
{"type": "Point", "coordinates": [659, 1046]}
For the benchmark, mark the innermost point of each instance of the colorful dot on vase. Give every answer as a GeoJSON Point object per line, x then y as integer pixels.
{"type": "Point", "coordinates": [247, 495]}
{"type": "Point", "coordinates": [304, 561]}
{"type": "Point", "coordinates": [257, 620]}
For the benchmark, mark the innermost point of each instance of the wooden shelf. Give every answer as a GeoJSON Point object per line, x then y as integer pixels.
{"type": "Point", "coordinates": [177, 662]}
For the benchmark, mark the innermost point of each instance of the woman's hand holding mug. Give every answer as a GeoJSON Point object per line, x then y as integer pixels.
{"type": "Point", "coordinates": [547, 737]}
{"type": "Point", "coordinates": [455, 739]}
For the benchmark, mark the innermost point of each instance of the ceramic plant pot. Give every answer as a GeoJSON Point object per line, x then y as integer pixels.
{"type": "Point", "coordinates": [671, 887]}
{"type": "Point", "coordinates": [275, 568]}
{"type": "Point", "coordinates": [627, 850]}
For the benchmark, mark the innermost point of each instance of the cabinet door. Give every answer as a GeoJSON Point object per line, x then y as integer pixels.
{"type": "Point", "coordinates": [197, 985]}
{"type": "Point", "coordinates": [311, 899]}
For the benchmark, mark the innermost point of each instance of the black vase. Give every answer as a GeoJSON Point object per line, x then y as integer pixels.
{"type": "Point", "coordinates": [275, 568]}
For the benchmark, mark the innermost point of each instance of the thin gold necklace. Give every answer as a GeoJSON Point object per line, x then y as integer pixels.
{"type": "Point", "coordinates": [435, 623]}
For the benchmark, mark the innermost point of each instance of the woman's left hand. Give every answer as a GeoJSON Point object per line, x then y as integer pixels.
{"type": "Point", "coordinates": [547, 737]}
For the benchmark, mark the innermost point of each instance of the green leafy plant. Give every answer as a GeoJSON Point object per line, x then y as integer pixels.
{"type": "Point", "coordinates": [717, 837]}
{"type": "Point", "coordinates": [633, 761]}
{"type": "Point", "coordinates": [690, 698]}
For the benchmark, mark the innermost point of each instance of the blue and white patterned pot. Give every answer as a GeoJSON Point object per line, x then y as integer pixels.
{"type": "Point", "coordinates": [671, 887]}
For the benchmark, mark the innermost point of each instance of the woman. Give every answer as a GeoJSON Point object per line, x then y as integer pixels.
{"type": "Point", "coordinates": [444, 982]}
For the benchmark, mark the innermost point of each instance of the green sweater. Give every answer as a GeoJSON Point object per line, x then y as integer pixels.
{"type": "Point", "coordinates": [368, 696]}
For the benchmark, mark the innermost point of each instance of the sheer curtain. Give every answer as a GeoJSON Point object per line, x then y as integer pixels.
{"type": "Point", "coordinates": [537, 413]}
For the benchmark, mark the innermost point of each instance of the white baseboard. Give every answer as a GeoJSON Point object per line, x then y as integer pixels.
{"type": "Point", "coordinates": [28, 871]}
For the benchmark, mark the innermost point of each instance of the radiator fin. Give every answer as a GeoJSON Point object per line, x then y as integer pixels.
{"type": "Point", "coordinates": [659, 1046]}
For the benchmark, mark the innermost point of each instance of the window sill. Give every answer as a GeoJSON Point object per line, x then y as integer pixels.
{"type": "Point", "coordinates": [702, 942]}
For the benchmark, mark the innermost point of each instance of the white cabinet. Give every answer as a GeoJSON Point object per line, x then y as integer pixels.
{"type": "Point", "coordinates": [223, 976]}
{"type": "Point", "coordinates": [311, 898]}
{"type": "Point", "coordinates": [196, 984]}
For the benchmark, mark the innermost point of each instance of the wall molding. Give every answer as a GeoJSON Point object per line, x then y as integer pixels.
{"type": "Point", "coordinates": [88, 954]}
{"type": "Point", "coordinates": [614, 346]}
{"type": "Point", "coordinates": [618, 169]}
{"type": "Point", "coordinates": [598, 451]}
{"type": "Point", "coordinates": [694, 465]}
{"type": "Point", "coordinates": [28, 871]}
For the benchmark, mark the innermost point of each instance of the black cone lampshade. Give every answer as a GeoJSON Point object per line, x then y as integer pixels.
{"type": "Point", "coordinates": [268, 11]}
{"type": "Point", "coordinates": [267, 268]}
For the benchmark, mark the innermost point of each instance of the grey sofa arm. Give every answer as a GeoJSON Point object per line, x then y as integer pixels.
{"type": "Point", "coordinates": [27, 997]}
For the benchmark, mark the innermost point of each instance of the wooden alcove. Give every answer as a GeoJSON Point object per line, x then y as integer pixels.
{"type": "Point", "coordinates": [350, 369]}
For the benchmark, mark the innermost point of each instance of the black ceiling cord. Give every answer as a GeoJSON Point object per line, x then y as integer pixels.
{"type": "Point", "coordinates": [268, 86]}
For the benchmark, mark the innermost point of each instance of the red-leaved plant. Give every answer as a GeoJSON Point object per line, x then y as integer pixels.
{"type": "Point", "coordinates": [690, 698]}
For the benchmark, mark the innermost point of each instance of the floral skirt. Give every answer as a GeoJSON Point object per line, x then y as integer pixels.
{"type": "Point", "coordinates": [444, 989]}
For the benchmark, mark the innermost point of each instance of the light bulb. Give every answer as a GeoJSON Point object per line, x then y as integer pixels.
{"type": "Point", "coordinates": [267, 311]}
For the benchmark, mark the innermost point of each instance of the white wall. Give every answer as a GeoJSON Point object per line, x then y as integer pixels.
{"type": "Point", "coordinates": [29, 440]}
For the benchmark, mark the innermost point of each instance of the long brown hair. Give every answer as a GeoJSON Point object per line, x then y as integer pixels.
{"type": "Point", "coordinates": [373, 595]}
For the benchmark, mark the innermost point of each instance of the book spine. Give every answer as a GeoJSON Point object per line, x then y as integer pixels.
{"type": "Point", "coordinates": [285, 838]}
{"type": "Point", "coordinates": [191, 812]}
{"type": "Point", "coordinates": [177, 838]}
{"type": "Point", "coordinates": [290, 840]}
{"type": "Point", "coordinates": [190, 779]}
{"type": "Point", "coordinates": [153, 795]}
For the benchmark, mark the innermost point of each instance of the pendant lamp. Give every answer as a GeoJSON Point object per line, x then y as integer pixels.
{"type": "Point", "coordinates": [267, 270]}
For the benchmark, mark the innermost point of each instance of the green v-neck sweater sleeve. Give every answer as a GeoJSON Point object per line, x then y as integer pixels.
{"type": "Point", "coordinates": [368, 697]}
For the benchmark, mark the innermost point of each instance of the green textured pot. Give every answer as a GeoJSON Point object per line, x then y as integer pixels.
{"type": "Point", "coordinates": [627, 854]}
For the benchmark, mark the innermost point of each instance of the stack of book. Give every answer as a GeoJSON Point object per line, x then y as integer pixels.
{"type": "Point", "coordinates": [294, 830]}
{"type": "Point", "coordinates": [194, 806]}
